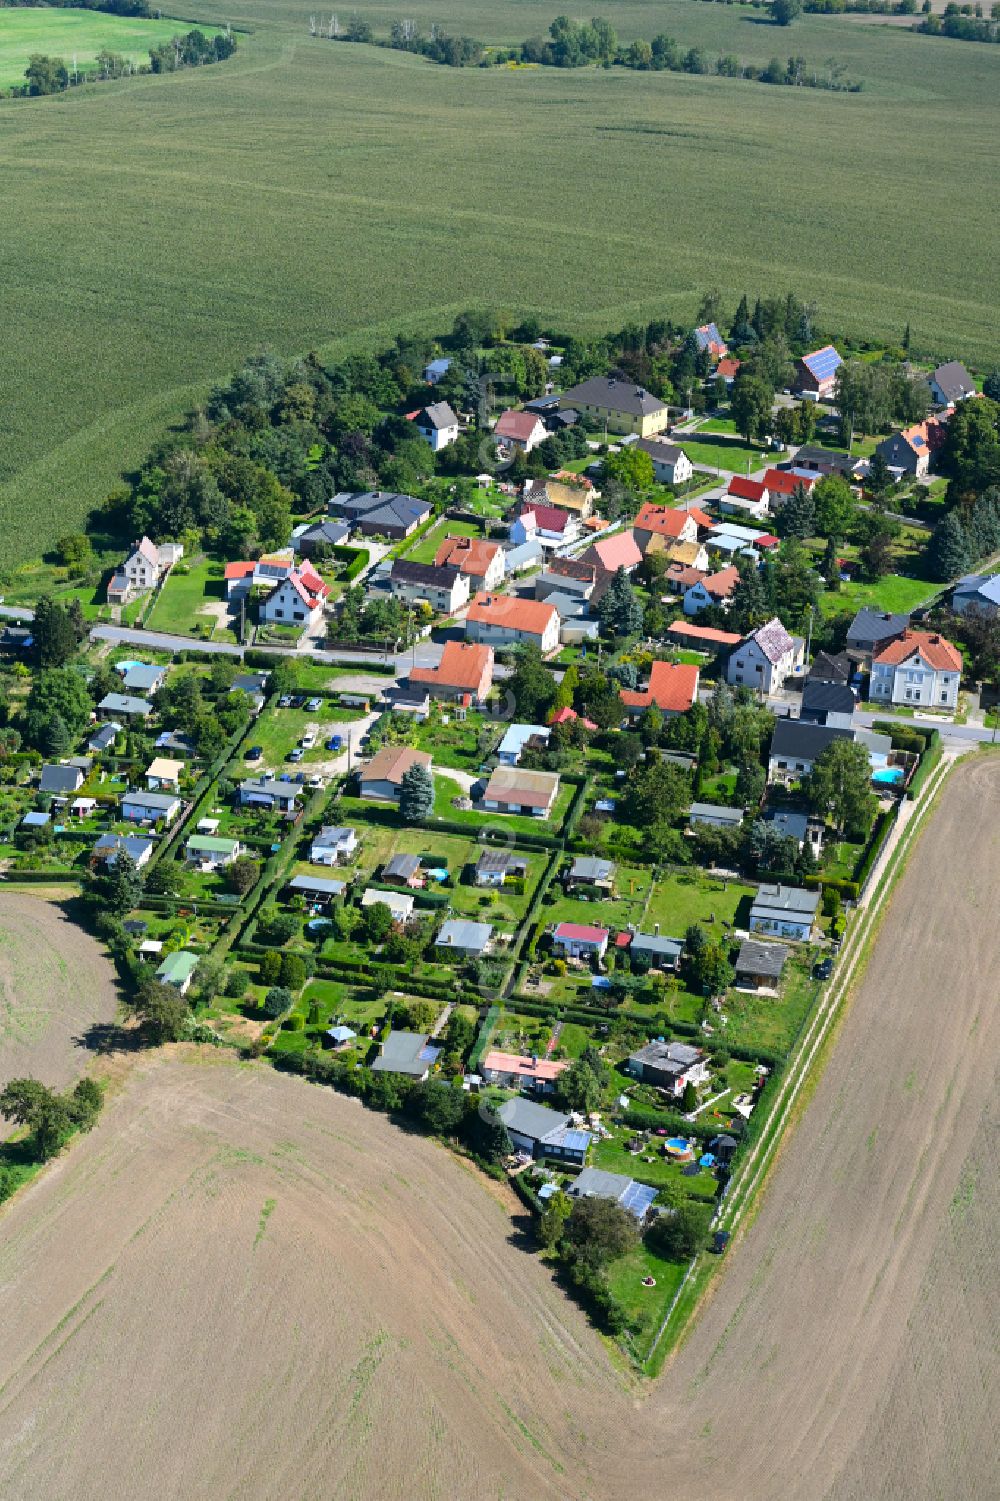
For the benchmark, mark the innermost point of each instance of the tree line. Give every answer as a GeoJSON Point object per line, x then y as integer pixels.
{"type": "Point", "coordinates": [580, 44]}
{"type": "Point", "coordinates": [46, 75]}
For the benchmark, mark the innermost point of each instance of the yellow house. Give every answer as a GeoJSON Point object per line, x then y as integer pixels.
{"type": "Point", "coordinates": [617, 404]}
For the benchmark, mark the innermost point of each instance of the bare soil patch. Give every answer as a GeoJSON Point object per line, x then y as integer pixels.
{"type": "Point", "coordinates": [56, 982]}
{"type": "Point", "coordinates": [241, 1285]}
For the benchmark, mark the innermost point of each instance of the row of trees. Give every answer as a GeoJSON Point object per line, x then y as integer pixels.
{"type": "Point", "coordinates": [50, 75]}
{"type": "Point", "coordinates": [51, 1118]}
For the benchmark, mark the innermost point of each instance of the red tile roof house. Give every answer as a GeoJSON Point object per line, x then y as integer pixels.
{"type": "Point", "coordinates": [680, 577]}
{"type": "Point", "coordinates": [918, 667]}
{"type": "Point", "coordinates": [580, 941]}
{"type": "Point", "coordinates": [499, 620]}
{"type": "Point", "coordinates": [463, 675]}
{"type": "Point", "coordinates": [702, 637]}
{"type": "Point", "coordinates": [523, 430]}
{"type": "Point", "coordinates": [717, 589]}
{"type": "Point", "coordinates": [666, 521]}
{"type": "Point", "coordinates": [510, 1071]}
{"type": "Point", "coordinates": [672, 687]}
{"type": "Point", "coordinates": [781, 483]}
{"type": "Point", "coordinates": [746, 497]}
{"type": "Point", "coordinates": [479, 560]}
{"type": "Point", "coordinates": [546, 524]}
{"type": "Point", "coordinates": [297, 599]}
{"type": "Point", "coordinates": [728, 369]}
{"type": "Point", "coordinates": [913, 449]}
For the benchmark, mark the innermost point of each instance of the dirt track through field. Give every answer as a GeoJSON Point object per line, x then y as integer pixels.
{"type": "Point", "coordinates": [55, 982]}
{"type": "Point", "coordinates": [243, 1286]}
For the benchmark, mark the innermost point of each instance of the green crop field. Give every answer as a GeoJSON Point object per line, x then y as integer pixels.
{"type": "Point", "coordinates": [79, 34]}
{"type": "Point", "coordinates": [307, 194]}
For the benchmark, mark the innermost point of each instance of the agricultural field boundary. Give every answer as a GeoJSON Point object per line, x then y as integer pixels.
{"type": "Point", "coordinates": [741, 1204]}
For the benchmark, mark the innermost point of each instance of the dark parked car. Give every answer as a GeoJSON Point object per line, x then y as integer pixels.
{"type": "Point", "coordinates": [824, 969]}
{"type": "Point", "coordinates": [720, 1241]}
{"type": "Point", "coordinates": [255, 752]}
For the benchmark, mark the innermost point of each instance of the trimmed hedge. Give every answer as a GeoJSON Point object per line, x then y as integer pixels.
{"type": "Point", "coordinates": [928, 761]}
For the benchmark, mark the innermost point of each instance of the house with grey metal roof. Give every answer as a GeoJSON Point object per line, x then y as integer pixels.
{"type": "Point", "coordinates": [320, 889]}
{"type": "Point", "coordinates": [950, 383]}
{"type": "Point", "coordinates": [140, 806]}
{"type": "Point", "coordinates": [977, 593]}
{"type": "Point", "coordinates": [759, 965]}
{"type": "Point", "coordinates": [494, 866]}
{"type": "Point", "coordinates": [597, 1183]}
{"type": "Point", "coordinates": [784, 911]}
{"type": "Point", "coordinates": [670, 1066]}
{"type": "Point", "coordinates": [715, 816]}
{"type": "Point", "coordinates": [870, 630]}
{"type": "Point", "coordinates": [470, 939]}
{"type": "Point", "coordinates": [142, 678]}
{"type": "Point", "coordinates": [123, 703]}
{"type": "Point", "coordinates": [60, 779]}
{"type": "Point", "coordinates": [590, 870]}
{"type": "Point", "coordinates": [409, 1053]}
{"type": "Point", "coordinates": [109, 846]}
{"type": "Point", "coordinates": [104, 738]}
{"type": "Point", "coordinates": [403, 870]}
{"type": "Point", "coordinates": [663, 952]}
{"type": "Point", "coordinates": [541, 1132]}
{"type": "Point", "coordinates": [269, 792]}
{"type": "Point", "coordinates": [331, 845]}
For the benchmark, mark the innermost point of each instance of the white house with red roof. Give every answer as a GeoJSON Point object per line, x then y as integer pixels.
{"type": "Point", "coordinates": [514, 1071]}
{"type": "Point", "coordinates": [672, 687]}
{"type": "Point", "coordinates": [523, 430]}
{"type": "Point", "coordinates": [548, 525]}
{"type": "Point", "coordinates": [501, 620]}
{"type": "Point", "coordinates": [241, 577]}
{"type": "Point", "coordinates": [918, 667]}
{"type": "Point", "coordinates": [716, 589]}
{"type": "Point", "coordinates": [297, 599]}
{"type": "Point", "coordinates": [580, 940]}
{"type": "Point", "coordinates": [746, 497]}
{"type": "Point", "coordinates": [765, 658]}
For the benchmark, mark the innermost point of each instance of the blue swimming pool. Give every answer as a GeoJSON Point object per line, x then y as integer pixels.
{"type": "Point", "coordinates": [890, 774]}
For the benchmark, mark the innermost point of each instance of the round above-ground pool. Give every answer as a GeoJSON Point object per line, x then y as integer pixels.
{"type": "Point", "coordinates": [891, 774]}
{"type": "Point", "coordinates": [677, 1146]}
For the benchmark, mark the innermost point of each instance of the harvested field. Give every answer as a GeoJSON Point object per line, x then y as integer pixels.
{"type": "Point", "coordinates": [275, 1293]}
{"type": "Point", "coordinates": [55, 983]}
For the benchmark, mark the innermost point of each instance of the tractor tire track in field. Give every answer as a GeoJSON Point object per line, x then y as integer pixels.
{"type": "Point", "coordinates": [243, 1285]}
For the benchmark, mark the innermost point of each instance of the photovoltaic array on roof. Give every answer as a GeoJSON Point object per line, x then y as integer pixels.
{"type": "Point", "coordinates": [823, 363]}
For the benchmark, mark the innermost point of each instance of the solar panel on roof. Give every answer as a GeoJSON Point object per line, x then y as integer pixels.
{"type": "Point", "coordinates": [823, 363]}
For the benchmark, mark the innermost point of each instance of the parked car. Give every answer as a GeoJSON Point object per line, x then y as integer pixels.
{"type": "Point", "coordinates": [720, 1241]}
{"type": "Point", "coordinates": [255, 752]}
{"type": "Point", "coordinates": [313, 704]}
{"type": "Point", "coordinates": [285, 701]}
{"type": "Point", "coordinates": [308, 740]}
{"type": "Point", "coordinates": [295, 755]}
{"type": "Point", "coordinates": [824, 969]}
{"type": "Point", "coordinates": [299, 777]}
{"type": "Point", "coordinates": [335, 742]}
{"type": "Point", "coordinates": [316, 780]}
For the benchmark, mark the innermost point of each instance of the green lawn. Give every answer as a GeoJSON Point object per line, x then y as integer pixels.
{"type": "Point", "coordinates": [278, 731]}
{"type": "Point", "coordinates": [679, 900]}
{"type": "Point", "coordinates": [645, 1305]}
{"type": "Point", "coordinates": [79, 34]}
{"type": "Point", "coordinates": [722, 452]}
{"type": "Point", "coordinates": [768, 1021]}
{"type": "Point", "coordinates": [892, 594]}
{"type": "Point", "coordinates": [462, 743]}
{"type": "Point", "coordinates": [445, 790]}
{"type": "Point", "coordinates": [189, 604]}
{"type": "Point", "coordinates": [426, 549]}
{"type": "Point", "coordinates": [626, 905]}
{"type": "Point", "coordinates": [650, 1165]}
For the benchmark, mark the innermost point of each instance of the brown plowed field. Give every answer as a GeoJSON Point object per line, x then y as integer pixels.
{"type": "Point", "coordinates": [55, 982]}
{"type": "Point", "coordinates": [241, 1286]}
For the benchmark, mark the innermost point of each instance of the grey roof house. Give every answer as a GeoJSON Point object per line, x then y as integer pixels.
{"type": "Point", "coordinates": [123, 703]}
{"type": "Point", "coordinates": [668, 1065]}
{"type": "Point", "coordinates": [977, 593]}
{"type": "Point", "coordinates": [60, 779]}
{"type": "Point", "coordinates": [785, 911]}
{"type": "Point", "coordinates": [596, 1183]}
{"type": "Point", "coordinates": [664, 953]}
{"type": "Point", "coordinates": [407, 1053]}
{"type": "Point", "coordinates": [589, 870]}
{"type": "Point", "coordinates": [950, 383]}
{"type": "Point", "coordinates": [380, 512]}
{"type": "Point", "coordinates": [469, 938]}
{"type": "Point", "coordinates": [542, 1132]}
{"type": "Point", "coordinates": [759, 965]}
{"type": "Point", "coordinates": [715, 815]}
{"type": "Point", "coordinates": [871, 629]}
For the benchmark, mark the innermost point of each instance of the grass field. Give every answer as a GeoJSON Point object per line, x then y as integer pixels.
{"type": "Point", "coordinates": [304, 149]}
{"type": "Point", "coordinates": [79, 34]}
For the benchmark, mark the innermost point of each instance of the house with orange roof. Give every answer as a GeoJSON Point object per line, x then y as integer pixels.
{"type": "Point", "coordinates": [522, 430]}
{"type": "Point", "coordinates": [670, 522]}
{"type": "Point", "coordinates": [716, 589]}
{"type": "Point", "coordinates": [917, 668]}
{"type": "Point", "coordinates": [297, 599]}
{"type": "Point", "coordinates": [913, 450]}
{"type": "Point", "coordinates": [500, 620]}
{"type": "Point", "coordinates": [672, 687]}
{"type": "Point", "coordinates": [728, 369]}
{"type": "Point", "coordinates": [463, 675]}
{"type": "Point", "coordinates": [481, 561]}
{"type": "Point", "coordinates": [702, 637]}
